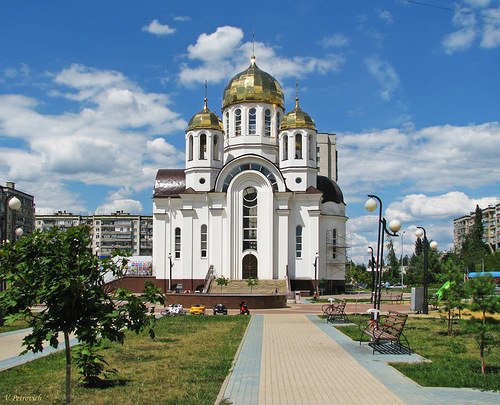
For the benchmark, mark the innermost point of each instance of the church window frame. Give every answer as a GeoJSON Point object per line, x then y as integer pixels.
{"type": "Point", "coordinates": [298, 146]}
{"type": "Point", "coordinates": [190, 148]}
{"type": "Point", "coordinates": [177, 243]}
{"type": "Point", "coordinates": [203, 146]}
{"type": "Point", "coordinates": [227, 123]}
{"type": "Point", "coordinates": [278, 117]}
{"type": "Point", "coordinates": [250, 219]}
{"type": "Point", "coordinates": [312, 150]}
{"type": "Point", "coordinates": [204, 241]}
{"type": "Point", "coordinates": [215, 149]}
{"type": "Point", "coordinates": [298, 241]}
{"type": "Point", "coordinates": [252, 121]}
{"type": "Point", "coordinates": [267, 122]}
{"type": "Point", "coordinates": [285, 147]}
{"type": "Point", "coordinates": [237, 122]}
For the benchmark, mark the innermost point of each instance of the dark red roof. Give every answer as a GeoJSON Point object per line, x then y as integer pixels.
{"type": "Point", "coordinates": [169, 183]}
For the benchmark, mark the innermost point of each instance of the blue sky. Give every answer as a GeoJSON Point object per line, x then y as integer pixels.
{"type": "Point", "coordinates": [95, 97]}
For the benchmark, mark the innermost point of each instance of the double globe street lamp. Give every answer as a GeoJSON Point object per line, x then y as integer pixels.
{"type": "Point", "coordinates": [419, 233]}
{"type": "Point", "coordinates": [394, 227]}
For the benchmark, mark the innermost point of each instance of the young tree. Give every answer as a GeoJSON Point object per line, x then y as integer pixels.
{"type": "Point", "coordinates": [453, 295]}
{"type": "Point", "coordinates": [222, 281]}
{"type": "Point", "coordinates": [57, 269]}
{"type": "Point", "coordinates": [482, 290]}
{"type": "Point", "coordinates": [252, 282]}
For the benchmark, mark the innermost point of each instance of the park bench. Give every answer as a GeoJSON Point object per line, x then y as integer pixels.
{"type": "Point", "coordinates": [391, 296]}
{"type": "Point", "coordinates": [388, 328]}
{"type": "Point", "coordinates": [336, 312]}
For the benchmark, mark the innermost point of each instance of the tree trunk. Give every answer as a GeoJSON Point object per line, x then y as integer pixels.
{"type": "Point", "coordinates": [481, 352]}
{"type": "Point", "coordinates": [68, 367]}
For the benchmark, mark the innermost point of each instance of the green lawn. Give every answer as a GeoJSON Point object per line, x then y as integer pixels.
{"type": "Point", "coordinates": [454, 359]}
{"type": "Point", "coordinates": [16, 325]}
{"type": "Point", "coordinates": [186, 363]}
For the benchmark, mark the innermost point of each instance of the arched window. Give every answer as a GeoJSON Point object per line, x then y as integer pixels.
{"type": "Point", "coordinates": [298, 241]}
{"type": "Point", "coordinates": [252, 121]}
{"type": "Point", "coordinates": [227, 123]}
{"type": "Point", "coordinates": [237, 122]}
{"type": "Point", "coordinates": [285, 147]}
{"type": "Point", "coordinates": [177, 243]}
{"type": "Point", "coordinates": [203, 146]}
{"type": "Point", "coordinates": [277, 122]}
{"type": "Point", "coordinates": [216, 148]}
{"type": "Point", "coordinates": [267, 122]}
{"type": "Point", "coordinates": [250, 218]}
{"type": "Point", "coordinates": [204, 240]}
{"type": "Point", "coordinates": [298, 146]}
{"type": "Point", "coordinates": [312, 151]}
{"type": "Point", "coordinates": [190, 147]}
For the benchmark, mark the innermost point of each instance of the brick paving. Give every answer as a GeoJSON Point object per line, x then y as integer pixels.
{"type": "Point", "coordinates": [304, 360]}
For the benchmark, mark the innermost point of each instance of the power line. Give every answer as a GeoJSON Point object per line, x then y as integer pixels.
{"type": "Point", "coordinates": [455, 10]}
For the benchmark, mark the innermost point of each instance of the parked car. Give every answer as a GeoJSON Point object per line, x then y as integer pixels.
{"type": "Point", "coordinates": [397, 286]}
{"type": "Point", "coordinates": [220, 309]}
{"type": "Point", "coordinates": [197, 309]}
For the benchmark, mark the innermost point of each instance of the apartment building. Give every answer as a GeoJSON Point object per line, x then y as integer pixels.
{"type": "Point", "coordinates": [491, 224]}
{"type": "Point", "coordinates": [120, 230]}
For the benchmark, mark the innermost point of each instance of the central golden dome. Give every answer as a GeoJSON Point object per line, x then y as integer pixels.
{"type": "Point", "coordinates": [253, 84]}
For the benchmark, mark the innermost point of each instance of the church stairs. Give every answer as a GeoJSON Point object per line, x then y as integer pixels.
{"type": "Point", "coordinates": [241, 287]}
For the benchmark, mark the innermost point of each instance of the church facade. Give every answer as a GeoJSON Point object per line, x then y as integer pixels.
{"type": "Point", "coordinates": [258, 197]}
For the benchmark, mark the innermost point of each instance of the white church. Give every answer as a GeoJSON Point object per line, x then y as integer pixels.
{"type": "Point", "coordinates": [258, 197]}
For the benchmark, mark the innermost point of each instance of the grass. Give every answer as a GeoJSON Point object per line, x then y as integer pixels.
{"type": "Point", "coordinates": [16, 325]}
{"type": "Point", "coordinates": [454, 360]}
{"type": "Point", "coordinates": [186, 363]}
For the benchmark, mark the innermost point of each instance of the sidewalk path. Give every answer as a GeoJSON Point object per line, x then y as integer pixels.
{"type": "Point", "coordinates": [300, 359]}
{"type": "Point", "coordinates": [11, 346]}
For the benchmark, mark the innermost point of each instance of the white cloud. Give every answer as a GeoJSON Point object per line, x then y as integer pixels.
{"type": "Point", "coordinates": [335, 41]}
{"type": "Point", "coordinates": [426, 160]}
{"type": "Point", "coordinates": [222, 54]}
{"type": "Point", "coordinates": [182, 18]}
{"type": "Point", "coordinates": [157, 28]}
{"type": "Point", "coordinates": [106, 139]}
{"type": "Point", "coordinates": [491, 29]}
{"type": "Point", "coordinates": [385, 75]}
{"type": "Point", "coordinates": [119, 200]}
{"type": "Point", "coordinates": [386, 16]}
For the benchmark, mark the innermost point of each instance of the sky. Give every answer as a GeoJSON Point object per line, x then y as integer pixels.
{"type": "Point", "coordinates": [95, 98]}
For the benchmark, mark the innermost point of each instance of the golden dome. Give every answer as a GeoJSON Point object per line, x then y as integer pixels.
{"type": "Point", "coordinates": [205, 119]}
{"type": "Point", "coordinates": [297, 119]}
{"type": "Point", "coordinates": [253, 84]}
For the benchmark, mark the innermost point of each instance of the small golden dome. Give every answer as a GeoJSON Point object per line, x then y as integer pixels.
{"type": "Point", "coordinates": [253, 84]}
{"type": "Point", "coordinates": [205, 119]}
{"type": "Point", "coordinates": [297, 119]}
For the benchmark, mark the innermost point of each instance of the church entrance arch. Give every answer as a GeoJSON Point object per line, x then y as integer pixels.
{"type": "Point", "coordinates": [249, 266]}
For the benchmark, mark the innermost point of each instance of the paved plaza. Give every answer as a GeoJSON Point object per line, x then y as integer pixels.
{"type": "Point", "coordinates": [294, 358]}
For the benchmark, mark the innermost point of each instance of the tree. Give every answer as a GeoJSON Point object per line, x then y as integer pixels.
{"type": "Point", "coordinates": [57, 269]}
{"type": "Point", "coordinates": [453, 295]}
{"type": "Point", "coordinates": [252, 282]}
{"type": "Point", "coordinates": [393, 274]}
{"type": "Point", "coordinates": [357, 274]}
{"type": "Point", "coordinates": [474, 250]}
{"type": "Point", "coordinates": [222, 281]}
{"type": "Point", "coordinates": [482, 290]}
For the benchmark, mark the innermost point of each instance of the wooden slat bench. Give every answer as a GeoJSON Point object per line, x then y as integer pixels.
{"type": "Point", "coordinates": [389, 328]}
{"type": "Point", "coordinates": [391, 296]}
{"type": "Point", "coordinates": [336, 311]}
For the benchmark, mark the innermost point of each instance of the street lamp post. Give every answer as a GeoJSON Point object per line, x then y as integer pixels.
{"type": "Point", "coordinates": [316, 256]}
{"type": "Point", "coordinates": [394, 226]}
{"type": "Point", "coordinates": [433, 245]}
{"type": "Point", "coordinates": [402, 252]}
{"type": "Point", "coordinates": [372, 261]}
{"type": "Point", "coordinates": [170, 276]}
{"type": "Point", "coordinates": [14, 204]}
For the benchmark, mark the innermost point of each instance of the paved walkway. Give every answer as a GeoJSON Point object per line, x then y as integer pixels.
{"type": "Point", "coordinates": [11, 346]}
{"type": "Point", "coordinates": [300, 359]}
